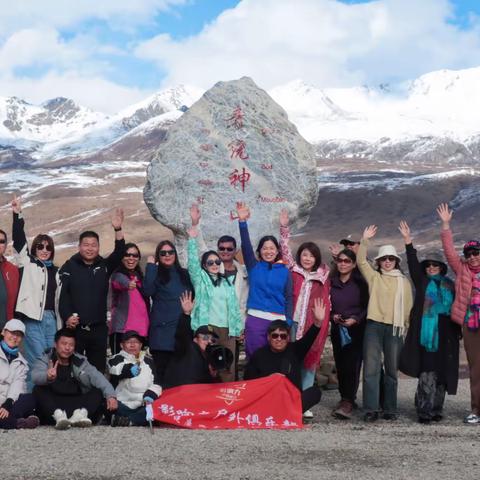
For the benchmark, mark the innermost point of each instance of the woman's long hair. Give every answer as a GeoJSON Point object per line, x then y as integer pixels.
{"type": "Point", "coordinates": [137, 270]}
{"type": "Point", "coordinates": [164, 272]}
{"type": "Point", "coordinates": [38, 240]}
{"type": "Point", "coordinates": [314, 250]}
{"type": "Point", "coordinates": [216, 281]}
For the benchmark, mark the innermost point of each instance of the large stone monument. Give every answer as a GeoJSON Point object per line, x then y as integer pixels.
{"type": "Point", "coordinates": [235, 144]}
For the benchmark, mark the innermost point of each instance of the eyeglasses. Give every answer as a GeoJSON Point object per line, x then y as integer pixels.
{"type": "Point", "coordinates": [131, 255]}
{"type": "Point", "coordinates": [472, 253]}
{"type": "Point", "coordinates": [432, 264]}
{"type": "Point", "coordinates": [281, 336]}
{"type": "Point", "coordinates": [2, 241]}
{"type": "Point", "coordinates": [210, 263]}
{"type": "Point", "coordinates": [226, 249]}
{"type": "Point", "coordinates": [165, 253]}
{"type": "Point", "coordinates": [348, 261]}
{"type": "Point", "coordinates": [390, 258]}
{"type": "Point", "coordinates": [208, 338]}
{"type": "Point", "coordinates": [42, 246]}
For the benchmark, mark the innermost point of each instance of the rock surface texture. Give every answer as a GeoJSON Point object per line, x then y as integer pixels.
{"type": "Point", "coordinates": [235, 144]}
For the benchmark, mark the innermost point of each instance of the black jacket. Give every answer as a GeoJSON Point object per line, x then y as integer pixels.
{"type": "Point", "coordinates": [413, 355]}
{"type": "Point", "coordinates": [84, 288]}
{"type": "Point", "coordinates": [188, 365]}
{"type": "Point", "coordinates": [264, 361]}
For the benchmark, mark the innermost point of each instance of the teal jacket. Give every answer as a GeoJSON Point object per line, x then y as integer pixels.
{"type": "Point", "coordinates": [204, 294]}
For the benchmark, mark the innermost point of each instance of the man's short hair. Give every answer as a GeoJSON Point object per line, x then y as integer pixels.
{"type": "Point", "coordinates": [280, 324]}
{"type": "Point", "coordinates": [227, 239]}
{"type": "Point", "coordinates": [88, 234]}
{"type": "Point", "coordinates": [64, 332]}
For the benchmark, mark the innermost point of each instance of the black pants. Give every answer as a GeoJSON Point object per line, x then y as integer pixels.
{"type": "Point", "coordinates": [93, 344]}
{"type": "Point", "coordinates": [22, 408]}
{"type": "Point", "coordinates": [310, 397]}
{"type": "Point", "coordinates": [48, 401]}
{"type": "Point", "coordinates": [348, 361]}
{"type": "Point", "coordinates": [430, 396]}
{"type": "Point", "coordinates": [114, 340]}
{"type": "Point", "coordinates": [161, 359]}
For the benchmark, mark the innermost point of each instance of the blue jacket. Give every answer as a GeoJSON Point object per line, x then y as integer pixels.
{"type": "Point", "coordinates": [270, 283]}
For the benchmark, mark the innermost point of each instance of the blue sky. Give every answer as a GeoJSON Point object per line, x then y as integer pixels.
{"type": "Point", "coordinates": [108, 54]}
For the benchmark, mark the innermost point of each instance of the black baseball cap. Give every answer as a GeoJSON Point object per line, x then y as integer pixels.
{"type": "Point", "coordinates": [132, 334]}
{"type": "Point", "coordinates": [206, 330]}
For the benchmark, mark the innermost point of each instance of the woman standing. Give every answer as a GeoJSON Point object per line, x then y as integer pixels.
{"type": "Point", "coordinates": [270, 294]}
{"type": "Point", "coordinates": [310, 282]}
{"type": "Point", "coordinates": [388, 312]}
{"type": "Point", "coordinates": [37, 296]}
{"type": "Point", "coordinates": [466, 307]}
{"type": "Point", "coordinates": [431, 346]}
{"type": "Point", "coordinates": [349, 297]}
{"type": "Point", "coordinates": [165, 281]}
{"type": "Point", "coordinates": [129, 305]}
{"type": "Point", "coordinates": [216, 301]}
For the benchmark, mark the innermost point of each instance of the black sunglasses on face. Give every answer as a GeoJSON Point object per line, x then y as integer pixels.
{"type": "Point", "coordinates": [164, 253]}
{"type": "Point", "coordinates": [226, 249]}
{"type": "Point", "coordinates": [281, 336]}
{"type": "Point", "coordinates": [210, 263]}
{"type": "Point", "coordinates": [432, 264]}
{"type": "Point", "coordinates": [2, 241]}
{"type": "Point", "coordinates": [41, 246]}
{"type": "Point", "coordinates": [472, 253]}
{"type": "Point", "coordinates": [131, 255]}
{"type": "Point", "coordinates": [348, 261]}
{"type": "Point", "coordinates": [390, 258]}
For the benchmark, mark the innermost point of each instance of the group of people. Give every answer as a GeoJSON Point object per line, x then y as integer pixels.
{"type": "Point", "coordinates": [53, 353]}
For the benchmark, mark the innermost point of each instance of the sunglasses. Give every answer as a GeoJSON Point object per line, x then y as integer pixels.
{"type": "Point", "coordinates": [210, 263]}
{"type": "Point", "coordinates": [208, 338]}
{"type": "Point", "coordinates": [165, 253]}
{"type": "Point", "coordinates": [2, 241]}
{"type": "Point", "coordinates": [281, 336]}
{"type": "Point", "coordinates": [41, 246]}
{"type": "Point", "coordinates": [226, 249]}
{"type": "Point", "coordinates": [131, 255]}
{"type": "Point", "coordinates": [348, 261]}
{"type": "Point", "coordinates": [390, 258]}
{"type": "Point", "coordinates": [472, 253]}
{"type": "Point", "coordinates": [432, 264]}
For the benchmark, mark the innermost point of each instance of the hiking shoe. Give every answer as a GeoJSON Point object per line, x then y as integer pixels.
{"type": "Point", "coordinates": [437, 418]}
{"type": "Point", "coordinates": [80, 418]}
{"type": "Point", "coordinates": [472, 419]}
{"type": "Point", "coordinates": [30, 422]}
{"type": "Point", "coordinates": [61, 420]}
{"type": "Point", "coordinates": [119, 421]}
{"type": "Point", "coordinates": [343, 410]}
{"type": "Point", "coordinates": [308, 414]}
{"type": "Point", "coordinates": [425, 421]}
{"type": "Point", "coordinates": [390, 416]}
{"type": "Point", "coordinates": [370, 417]}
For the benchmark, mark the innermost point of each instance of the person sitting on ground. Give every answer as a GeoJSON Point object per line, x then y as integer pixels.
{"type": "Point", "coordinates": [190, 362]}
{"type": "Point", "coordinates": [280, 356]}
{"type": "Point", "coordinates": [16, 406]}
{"type": "Point", "coordinates": [133, 374]}
{"type": "Point", "coordinates": [68, 389]}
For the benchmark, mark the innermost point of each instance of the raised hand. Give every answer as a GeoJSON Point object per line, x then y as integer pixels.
{"type": "Point", "coordinates": [52, 371]}
{"type": "Point", "coordinates": [151, 259]}
{"type": "Point", "coordinates": [16, 205]}
{"type": "Point", "coordinates": [405, 231]}
{"type": "Point", "coordinates": [369, 232]}
{"type": "Point", "coordinates": [187, 302]}
{"type": "Point", "coordinates": [117, 218]}
{"type": "Point", "coordinates": [335, 249]}
{"type": "Point", "coordinates": [72, 321]}
{"type": "Point", "coordinates": [284, 220]}
{"type": "Point", "coordinates": [195, 214]}
{"type": "Point", "coordinates": [445, 215]}
{"type": "Point", "coordinates": [319, 311]}
{"type": "Point", "coordinates": [243, 212]}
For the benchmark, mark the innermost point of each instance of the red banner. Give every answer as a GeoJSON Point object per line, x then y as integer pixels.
{"type": "Point", "coordinates": [271, 402]}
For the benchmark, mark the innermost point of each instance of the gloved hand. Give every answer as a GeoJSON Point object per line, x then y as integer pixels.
{"type": "Point", "coordinates": [148, 399]}
{"type": "Point", "coordinates": [149, 412]}
{"type": "Point", "coordinates": [135, 370]}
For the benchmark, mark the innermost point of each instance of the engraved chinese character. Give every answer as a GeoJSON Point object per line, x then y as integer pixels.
{"type": "Point", "coordinates": [238, 149]}
{"type": "Point", "coordinates": [236, 119]}
{"type": "Point", "coordinates": [239, 178]}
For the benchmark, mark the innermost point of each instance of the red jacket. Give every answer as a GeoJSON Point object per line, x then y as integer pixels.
{"type": "Point", "coordinates": [463, 282]}
{"type": "Point", "coordinates": [11, 278]}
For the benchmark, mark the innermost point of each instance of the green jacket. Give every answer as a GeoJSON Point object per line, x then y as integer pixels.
{"type": "Point", "coordinates": [205, 291]}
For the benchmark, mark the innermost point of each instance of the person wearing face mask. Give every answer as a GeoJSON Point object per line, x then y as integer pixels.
{"type": "Point", "coordinates": [466, 306]}
{"type": "Point", "coordinates": [216, 302]}
{"type": "Point", "coordinates": [270, 295]}
{"type": "Point", "coordinates": [388, 314]}
{"type": "Point", "coordinates": [310, 281]}
{"type": "Point", "coordinates": [129, 304]}
{"type": "Point", "coordinates": [37, 297]}
{"type": "Point", "coordinates": [431, 349]}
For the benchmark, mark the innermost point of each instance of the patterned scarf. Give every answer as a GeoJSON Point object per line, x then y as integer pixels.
{"type": "Point", "coordinates": [438, 300]}
{"type": "Point", "coordinates": [472, 317]}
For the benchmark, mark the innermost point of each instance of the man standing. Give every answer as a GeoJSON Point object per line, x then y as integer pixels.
{"type": "Point", "coordinates": [84, 289]}
{"type": "Point", "coordinates": [67, 388]}
{"type": "Point", "coordinates": [9, 282]}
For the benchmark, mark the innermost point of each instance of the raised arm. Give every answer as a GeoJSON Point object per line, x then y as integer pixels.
{"type": "Point", "coordinates": [453, 258]}
{"type": "Point", "coordinates": [18, 233]}
{"type": "Point", "coordinates": [249, 258]}
{"type": "Point", "coordinates": [414, 266]}
{"type": "Point", "coordinates": [194, 266]}
{"type": "Point", "coordinates": [284, 239]}
{"type": "Point", "coordinates": [365, 268]}
{"type": "Point", "coordinates": [115, 258]}
{"type": "Point", "coordinates": [195, 216]}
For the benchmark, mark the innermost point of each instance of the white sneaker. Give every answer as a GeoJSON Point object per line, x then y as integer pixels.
{"type": "Point", "coordinates": [62, 422]}
{"type": "Point", "coordinates": [80, 418]}
{"type": "Point", "coordinates": [472, 419]}
{"type": "Point", "coordinates": [308, 414]}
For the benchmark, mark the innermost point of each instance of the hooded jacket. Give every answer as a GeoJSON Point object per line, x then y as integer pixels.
{"type": "Point", "coordinates": [12, 379]}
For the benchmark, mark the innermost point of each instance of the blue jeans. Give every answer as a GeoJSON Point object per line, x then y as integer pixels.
{"type": "Point", "coordinates": [136, 415]}
{"type": "Point", "coordinates": [38, 337]}
{"type": "Point", "coordinates": [378, 340]}
{"type": "Point", "coordinates": [308, 378]}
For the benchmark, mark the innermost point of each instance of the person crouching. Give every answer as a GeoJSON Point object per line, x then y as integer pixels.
{"type": "Point", "coordinates": [134, 376]}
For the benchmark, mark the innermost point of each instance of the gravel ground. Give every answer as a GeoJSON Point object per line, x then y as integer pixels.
{"type": "Point", "coordinates": [327, 448]}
